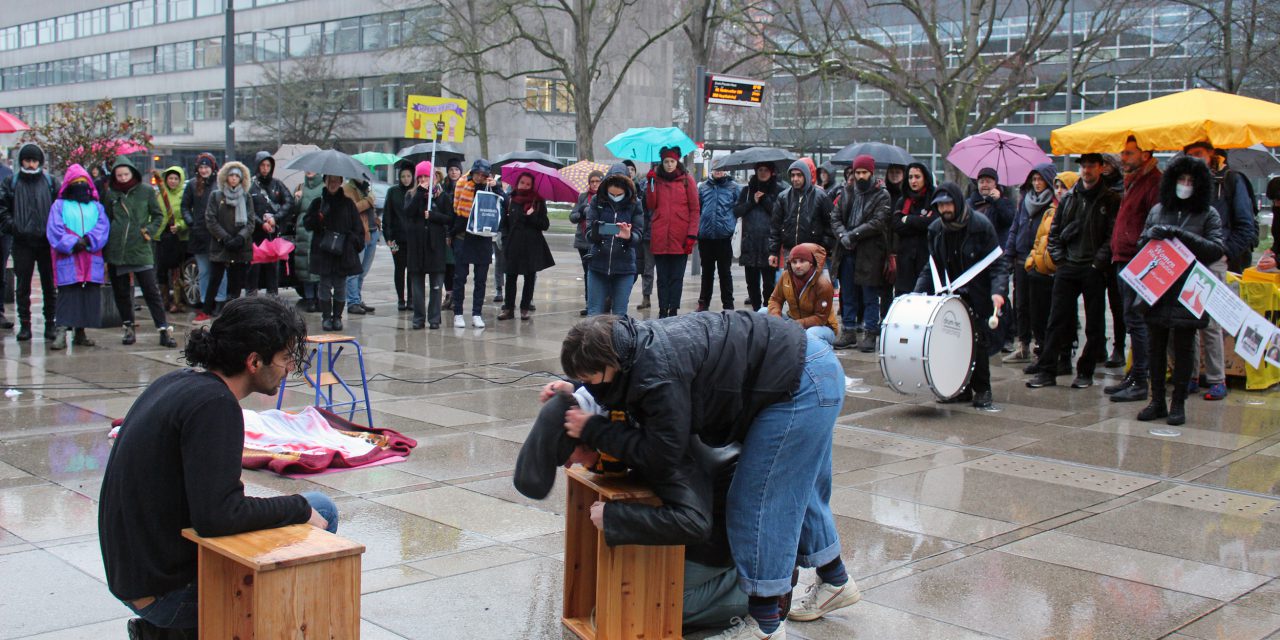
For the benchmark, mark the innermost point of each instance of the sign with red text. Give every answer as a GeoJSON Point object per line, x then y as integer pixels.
{"type": "Point", "coordinates": [1157, 268]}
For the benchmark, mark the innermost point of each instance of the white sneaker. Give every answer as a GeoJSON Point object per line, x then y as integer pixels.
{"type": "Point", "coordinates": [459, 322]}
{"type": "Point", "coordinates": [477, 322]}
{"type": "Point", "coordinates": [817, 600]}
{"type": "Point", "coordinates": [748, 629]}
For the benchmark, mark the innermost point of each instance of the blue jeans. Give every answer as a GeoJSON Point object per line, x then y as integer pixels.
{"type": "Point", "coordinates": [779, 507]}
{"type": "Point", "coordinates": [179, 608]}
{"type": "Point", "coordinates": [204, 265]}
{"type": "Point", "coordinates": [854, 297]}
{"type": "Point", "coordinates": [356, 283]}
{"type": "Point", "coordinates": [460, 272]}
{"type": "Point", "coordinates": [602, 287]}
{"type": "Point", "coordinates": [821, 332]}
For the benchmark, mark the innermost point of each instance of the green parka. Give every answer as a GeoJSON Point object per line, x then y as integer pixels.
{"type": "Point", "coordinates": [135, 220]}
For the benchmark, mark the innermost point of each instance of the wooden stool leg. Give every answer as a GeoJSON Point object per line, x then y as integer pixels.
{"type": "Point", "coordinates": [580, 543]}
{"type": "Point", "coordinates": [226, 597]}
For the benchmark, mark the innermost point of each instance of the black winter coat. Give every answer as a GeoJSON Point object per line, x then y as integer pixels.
{"type": "Point", "coordinates": [193, 208]}
{"type": "Point", "coordinates": [609, 254]}
{"type": "Point", "coordinates": [1193, 221]}
{"type": "Point", "coordinates": [1000, 211]}
{"type": "Point", "coordinates": [757, 217]}
{"type": "Point", "coordinates": [801, 215]}
{"type": "Point", "coordinates": [18, 217]}
{"type": "Point", "coordinates": [525, 248]}
{"type": "Point", "coordinates": [422, 237]}
{"type": "Point", "coordinates": [861, 226]}
{"type": "Point", "coordinates": [1081, 230]}
{"type": "Point", "coordinates": [734, 363]}
{"type": "Point", "coordinates": [335, 212]}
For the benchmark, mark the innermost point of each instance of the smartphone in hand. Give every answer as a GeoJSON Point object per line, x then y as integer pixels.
{"type": "Point", "coordinates": [608, 229]}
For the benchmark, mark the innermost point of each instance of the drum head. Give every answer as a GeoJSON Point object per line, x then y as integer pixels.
{"type": "Point", "coordinates": [950, 348]}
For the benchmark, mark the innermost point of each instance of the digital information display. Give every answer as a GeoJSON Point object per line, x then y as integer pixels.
{"type": "Point", "coordinates": [734, 91]}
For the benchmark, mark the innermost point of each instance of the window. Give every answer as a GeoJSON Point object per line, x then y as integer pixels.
{"type": "Point", "coordinates": [91, 23]}
{"type": "Point", "coordinates": [118, 64]}
{"type": "Point", "coordinates": [178, 10]}
{"type": "Point", "coordinates": [118, 17]}
{"type": "Point", "coordinates": [213, 105]}
{"type": "Point", "coordinates": [144, 12]}
{"type": "Point", "coordinates": [46, 31]}
{"type": "Point", "coordinates": [142, 61]}
{"type": "Point", "coordinates": [244, 48]}
{"type": "Point", "coordinates": [342, 36]}
{"type": "Point", "coordinates": [373, 32]}
{"type": "Point", "coordinates": [547, 95]}
{"type": "Point", "coordinates": [304, 40]}
{"type": "Point", "coordinates": [67, 27]}
{"type": "Point", "coordinates": [208, 7]}
{"type": "Point", "coordinates": [9, 39]}
{"type": "Point", "coordinates": [270, 45]}
{"type": "Point", "coordinates": [208, 53]}
{"type": "Point", "coordinates": [27, 35]}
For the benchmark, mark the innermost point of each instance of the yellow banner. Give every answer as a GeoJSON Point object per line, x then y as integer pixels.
{"type": "Point", "coordinates": [424, 112]}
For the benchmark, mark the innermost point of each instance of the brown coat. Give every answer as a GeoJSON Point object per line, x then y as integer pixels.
{"type": "Point", "coordinates": [814, 305]}
{"type": "Point", "coordinates": [1039, 259]}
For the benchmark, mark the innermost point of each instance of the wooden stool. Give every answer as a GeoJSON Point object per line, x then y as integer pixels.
{"type": "Point", "coordinates": [321, 375]}
{"type": "Point", "coordinates": [634, 591]}
{"type": "Point", "coordinates": [296, 581]}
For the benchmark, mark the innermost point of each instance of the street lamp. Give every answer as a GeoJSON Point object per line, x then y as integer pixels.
{"type": "Point", "coordinates": [279, 82]}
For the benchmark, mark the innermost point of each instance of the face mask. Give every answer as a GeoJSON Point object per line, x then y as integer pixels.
{"type": "Point", "coordinates": [863, 185]}
{"type": "Point", "coordinates": [1184, 191]}
{"type": "Point", "coordinates": [618, 198]}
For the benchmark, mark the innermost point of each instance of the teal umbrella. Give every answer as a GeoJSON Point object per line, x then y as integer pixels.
{"type": "Point", "coordinates": [376, 158]}
{"type": "Point", "coordinates": [644, 143]}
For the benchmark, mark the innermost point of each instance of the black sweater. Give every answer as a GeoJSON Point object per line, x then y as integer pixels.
{"type": "Point", "coordinates": [176, 464]}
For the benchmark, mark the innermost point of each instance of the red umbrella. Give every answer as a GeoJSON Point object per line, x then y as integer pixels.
{"type": "Point", "coordinates": [547, 182]}
{"type": "Point", "coordinates": [10, 123]}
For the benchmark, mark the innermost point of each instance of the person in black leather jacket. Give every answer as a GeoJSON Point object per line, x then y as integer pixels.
{"type": "Point", "coordinates": [731, 377]}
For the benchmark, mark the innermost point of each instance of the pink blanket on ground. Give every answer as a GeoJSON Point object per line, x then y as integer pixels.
{"type": "Point", "coordinates": [315, 440]}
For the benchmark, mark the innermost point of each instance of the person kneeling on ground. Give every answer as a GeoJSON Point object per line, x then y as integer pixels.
{"type": "Point", "coordinates": [807, 291]}
{"type": "Point", "coordinates": [176, 464]}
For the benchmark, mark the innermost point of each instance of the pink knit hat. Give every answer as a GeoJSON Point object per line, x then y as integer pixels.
{"type": "Point", "coordinates": [423, 169]}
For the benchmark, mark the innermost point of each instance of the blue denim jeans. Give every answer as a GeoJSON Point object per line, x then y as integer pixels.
{"type": "Point", "coordinates": [821, 332]}
{"type": "Point", "coordinates": [779, 508]}
{"type": "Point", "coordinates": [602, 287]}
{"type": "Point", "coordinates": [204, 265]}
{"type": "Point", "coordinates": [355, 284]}
{"type": "Point", "coordinates": [179, 608]}
{"type": "Point", "coordinates": [854, 298]}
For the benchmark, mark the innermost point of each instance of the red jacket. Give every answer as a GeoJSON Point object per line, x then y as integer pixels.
{"type": "Point", "coordinates": [1141, 192]}
{"type": "Point", "coordinates": [675, 208]}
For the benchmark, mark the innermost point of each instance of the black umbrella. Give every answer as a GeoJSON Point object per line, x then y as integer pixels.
{"type": "Point", "coordinates": [445, 151]}
{"type": "Point", "coordinates": [528, 156]}
{"type": "Point", "coordinates": [330, 162]}
{"type": "Point", "coordinates": [750, 157]}
{"type": "Point", "coordinates": [883, 154]}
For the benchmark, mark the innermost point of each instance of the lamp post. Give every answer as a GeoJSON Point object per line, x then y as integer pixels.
{"type": "Point", "coordinates": [229, 75]}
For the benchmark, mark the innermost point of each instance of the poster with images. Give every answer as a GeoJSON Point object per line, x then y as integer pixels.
{"type": "Point", "coordinates": [1227, 309]}
{"type": "Point", "coordinates": [1255, 334]}
{"type": "Point", "coordinates": [1272, 354]}
{"type": "Point", "coordinates": [1157, 268]}
{"type": "Point", "coordinates": [1200, 285]}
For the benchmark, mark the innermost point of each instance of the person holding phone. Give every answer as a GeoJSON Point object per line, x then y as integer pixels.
{"type": "Point", "coordinates": [615, 224]}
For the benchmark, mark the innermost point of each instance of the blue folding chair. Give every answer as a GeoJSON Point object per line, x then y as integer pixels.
{"type": "Point", "coordinates": [322, 375]}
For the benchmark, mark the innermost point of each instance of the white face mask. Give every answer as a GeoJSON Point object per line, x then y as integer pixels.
{"type": "Point", "coordinates": [1184, 191]}
{"type": "Point", "coordinates": [618, 198]}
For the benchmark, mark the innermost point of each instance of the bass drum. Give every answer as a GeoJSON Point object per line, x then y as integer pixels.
{"type": "Point", "coordinates": [927, 343]}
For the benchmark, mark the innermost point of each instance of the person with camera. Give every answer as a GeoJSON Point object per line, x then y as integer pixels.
{"type": "Point", "coordinates": [615, 224]}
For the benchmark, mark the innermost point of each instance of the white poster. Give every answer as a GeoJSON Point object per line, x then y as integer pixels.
{"type": "Point", "coordinates": [1254, 337]}
{"type": "Point", "coordinates": [1199, 287]}
{"type": "Point", "coordinates": [1272, 355]}
{"type": "Point", "coordinates": [1227, 309]}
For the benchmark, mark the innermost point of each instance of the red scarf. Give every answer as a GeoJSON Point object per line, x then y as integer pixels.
{"type": "Point", "coordinates": [525, 199]}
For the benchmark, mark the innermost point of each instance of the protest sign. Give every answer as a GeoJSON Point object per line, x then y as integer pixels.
{"type": "Point", "coordinates": [1227, 309]}
{"type": "Point", "coordinates": [423, 112]}
{"type": "Point", "coordinates": [1256, 333]}
{"type": "Point", "coordinates": [1157, 267]}
{"type": "Point", "coordinates": [1199, 287]}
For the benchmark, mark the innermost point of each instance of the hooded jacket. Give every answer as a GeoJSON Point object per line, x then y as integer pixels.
{"type": "Point", "coordinates": [135, 219]}
{"type": "Point", "coordinates": [802, 215]}
{"type": "Point", "coordinates": [526, 250]}
{"type": "Point", "coordinates": [308, 191]}
{"type": "Point", "coordinates": [335, 212]}
{"type": "Point", "coordinates": [999, 210]}
{"type": "Point", "coordinates": [676, 212]}
{"type": "Point", "coordinates": [25, 199]}
{"type": "Point", "coordinates": [171, 203]}
{"type": "Point", "coordinates": [861, 228]}
{"type": "Point", "coordinates": [1022, 235]}
{"type": "Point", "coordinates": [220, 221]}
{"type": "Point", "coordinates": [423, 234]}
{"type": "Point", "coordinates": [976, 240]}
{"type": "Point", "coordinates": [195, 202]}
{"type": "Point", "coordinates": [757, 219]}
{"type": "Point", "coordinates": [394, 204]}
{"type": "Point", "coordinates": [716, 199]}
{"type": "Point", "coordinates": [909, 219]}
{"type": "Point", "coordinates": [1239, 226]}
{"type": "Point", "coordinates": [1081, 231]}
{"type": "Point", "coordinates": [68, 222]}
{"type": "Point", "coordinates": [610, 254]}
{"type": "Point", "coordinates": [270, 197]}
{"type": "Point", "coordinates": [1038, 259]}
{"type": "Point", "coordinates": [1142, 191]}
{"type": "Point", "coordinates": [809, 302]}
{"type": "Point", "coordinates": [736, 363]}
{"type": "Point", "coordinates": [1196, 223]}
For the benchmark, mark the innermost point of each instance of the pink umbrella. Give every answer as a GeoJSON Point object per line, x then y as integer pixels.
{"type": "Point", "coordinates": [1012, 155]}
{"type": "Point", "coordinates": [272, 250]}
{"type": "Point", "coordinates": [10, 123]}
{"type": "Point", "coordinates": [547, 182]}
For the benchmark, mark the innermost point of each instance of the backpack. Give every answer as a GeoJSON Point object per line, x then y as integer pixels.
{"type": "Point", "coordinates": [486, 213]}
{"type": "Point", "coordinates": [1229, 191]}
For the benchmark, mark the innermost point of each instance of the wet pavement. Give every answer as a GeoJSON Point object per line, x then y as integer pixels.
{"type": "Point", "coordinates": [1060, 516]}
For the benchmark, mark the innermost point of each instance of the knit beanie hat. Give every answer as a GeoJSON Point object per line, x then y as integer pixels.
{"type": "Point", "coordinates": [865, 161]}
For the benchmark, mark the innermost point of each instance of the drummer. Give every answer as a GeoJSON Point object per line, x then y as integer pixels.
{"type": "Point", "coordinates": [959, 238]}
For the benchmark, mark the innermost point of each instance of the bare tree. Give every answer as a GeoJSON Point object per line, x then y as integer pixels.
{"type": "Point", "coordinates": [1236, 45]}
{"type": "Point", "coordinates": [304, 101]}
{"type": "Point", "coordinates": [706, 34]}
{"type": "Point", "coordinates": [594, 64]}
{"type": "Point", "coordinates": [957, 68]}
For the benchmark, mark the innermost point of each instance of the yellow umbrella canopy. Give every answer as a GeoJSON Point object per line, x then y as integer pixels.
{"type": "Point", "coordinates": [576, 173]}
{"type": "Point", "coordinates": [1171, 122]}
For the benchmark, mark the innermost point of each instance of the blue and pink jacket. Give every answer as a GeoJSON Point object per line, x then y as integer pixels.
{"type": "Point", "coordinates": [68, 222]}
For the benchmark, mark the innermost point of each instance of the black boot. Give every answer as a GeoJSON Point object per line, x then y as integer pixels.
{"type": "Point", "coordinates": [130, 335]}
{"type": "Point", "coordinates": [1137, 390]}
{"type": "Point", "coordinates": [1156, 409]}
{"type": "Point", "coordinates": [337, 315]}
{"type": "Point", "coordinates": [50, 331]}
{"type": "Point", "coordinates": [24, 331]}
{"type": "Point", "coordinates": [1178, 407]}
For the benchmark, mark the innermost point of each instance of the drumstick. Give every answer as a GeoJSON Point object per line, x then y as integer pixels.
{"type": "Point", "coordinates": [994, 320]}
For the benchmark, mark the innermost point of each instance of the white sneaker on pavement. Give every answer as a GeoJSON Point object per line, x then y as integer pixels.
{"type": "Point", "coordinates": [477, 322]}
{"type": "Point", "coordinates": [816, 600]}
{"type": "Point", "coordinates": [459, 322]}
{"type": "Point", "coordinates": [747, 629]}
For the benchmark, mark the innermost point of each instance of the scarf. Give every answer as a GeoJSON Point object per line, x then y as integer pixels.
{"type": "Point", "coordinates": [234, 196]}
{"type": "Point", "coordinates": [78, 191]}
{"type": "Point", "coordinates": [524, 199]}
{"type": "Point", "coordinates": [1036, 203]}
{"type": "Point", "coordinates": [125, 187]}
{"type": "Point", "coordinates": [674, 175]}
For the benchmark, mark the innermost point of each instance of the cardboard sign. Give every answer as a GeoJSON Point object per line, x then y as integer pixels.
{"type": "Point", "coordinates": [1157, 267]}
{"type": "Point", "coordinates": [1227, 309]}
{"type": "Point", "coordinates": [1255, 336]}
{"type": "Point", "coordinates": [424, 112]}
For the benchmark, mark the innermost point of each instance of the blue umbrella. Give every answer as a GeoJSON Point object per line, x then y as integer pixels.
{"type": "Point", "coordinates": [644, 143]}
